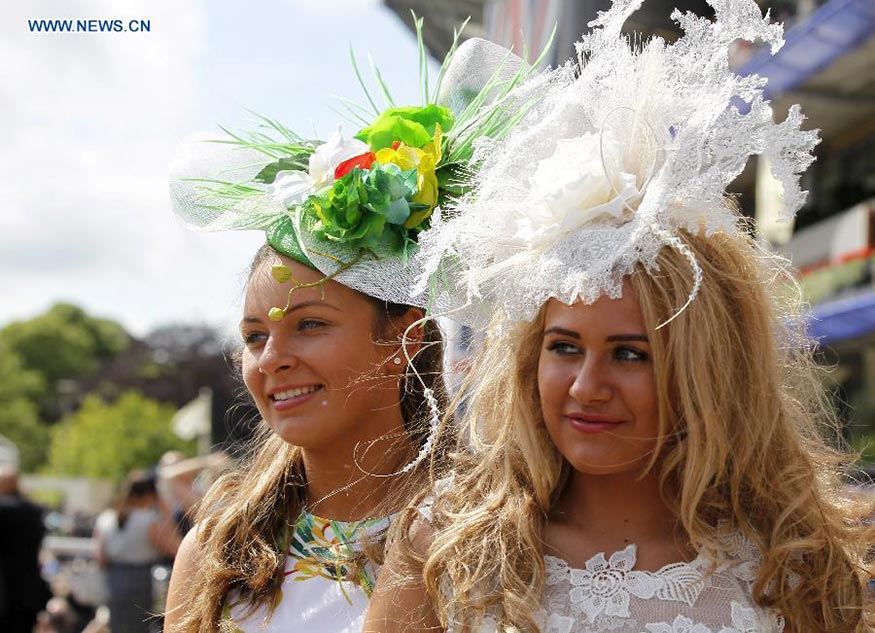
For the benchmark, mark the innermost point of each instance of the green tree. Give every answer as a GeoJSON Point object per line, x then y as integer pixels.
{"type": "Point", "coordinates": [107, 440]}
{"type": "Point", "coordinates": [63, 346]}
{"type": "Point", "coordinates": [64, 342]}
{"type": "Point", "coordinates": [19, 417]}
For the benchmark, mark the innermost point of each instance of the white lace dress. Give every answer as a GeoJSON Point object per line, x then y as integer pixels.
{"type": "Point", "coordinates": [609, 594]}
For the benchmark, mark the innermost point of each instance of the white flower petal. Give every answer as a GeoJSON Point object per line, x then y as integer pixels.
{"type": "Point", "coordinates": [582, 181]}
{"type": "Point", "coordinates": [581, 577]}
{"type": "Point", "coordinates": [578, 594]}
{"type": "Point", "coordinates": [592, 606]}
{"type": "Point", "coordinates": [597, 563]}
{"type": "Point", "coordinates": [291, 187]}
{"type": "Point", "coordinates": [618, 604]}
{"type": "Point", "coordinates": [624, 560]}
{"type": "Point", "coordinates": [330, 154]}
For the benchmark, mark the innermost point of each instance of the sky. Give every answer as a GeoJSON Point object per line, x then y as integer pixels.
{"type": "Point", "coordinates": [91, 121]}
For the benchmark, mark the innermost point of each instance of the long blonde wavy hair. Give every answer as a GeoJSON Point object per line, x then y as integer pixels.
{"type": "Point", "coordinates": [746, 442]}
{"type": "Point", "coordinates": [244, 523]}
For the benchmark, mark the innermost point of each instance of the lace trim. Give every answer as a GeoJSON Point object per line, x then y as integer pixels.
{"type": "Point", "coordinates": [604, 585]}
{"type": "Point", "coordinates": [602, 590]}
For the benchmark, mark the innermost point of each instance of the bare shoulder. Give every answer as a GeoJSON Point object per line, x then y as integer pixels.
{"type": "Point", "coordinates": [187, 553]}
{"type": "Point", "coordinates": [420, 535]}
{"type": "Point", "coordinates": [400, 603]}
{"type": "Point", "coordinates": [184, 566]}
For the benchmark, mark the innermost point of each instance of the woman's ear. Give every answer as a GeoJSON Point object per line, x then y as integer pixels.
{"type": "Point", "coordinates": [409, 332]}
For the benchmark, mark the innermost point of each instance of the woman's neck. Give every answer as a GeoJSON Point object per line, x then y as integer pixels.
{"type": "Point", "coordinates": [357, 483]}
{"type": "Point", "coordinates": [608, 512]}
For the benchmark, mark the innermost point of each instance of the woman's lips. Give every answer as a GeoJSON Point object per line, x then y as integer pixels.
{"type": "Point", "coordinates": [294, 401]}
{"type": "Point", "coordinates": [592, 423]}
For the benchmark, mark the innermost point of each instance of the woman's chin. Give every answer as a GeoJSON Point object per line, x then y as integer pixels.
{"type": "Point", "coordinates": [303, 428]}
{"type": "Point", "coordinates": [305, 432]}
{"type": "Point", "coordinates": [601, 465]}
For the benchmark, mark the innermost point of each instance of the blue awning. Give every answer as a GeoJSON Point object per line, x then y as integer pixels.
{"type": "Point", "coordinates": [844, 319]}
{"type": "Point", "coordinates": [833, 30]}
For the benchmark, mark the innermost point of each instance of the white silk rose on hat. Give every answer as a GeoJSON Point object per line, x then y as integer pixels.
{"type": "Point", "coordinates": [292, 187]}
{"type": "Point", "coordinates": [582, 181]}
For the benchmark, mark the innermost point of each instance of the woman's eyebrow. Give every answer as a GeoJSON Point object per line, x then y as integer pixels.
{"type": "Point", "coordinates": [297, 306]}
{"type": "Point", "coordinates": [613, 338]}
{"type": "Point", "coordinates": [310, 304]}
{"type": "Point", "coordinates": [562, 332]}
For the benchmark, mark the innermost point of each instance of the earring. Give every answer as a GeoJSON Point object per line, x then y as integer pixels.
{"type": "Point", "coordinates": [397, 361]}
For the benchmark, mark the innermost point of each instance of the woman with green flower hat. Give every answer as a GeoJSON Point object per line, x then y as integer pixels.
{"type": "Point", "coordinates": [335, 355]}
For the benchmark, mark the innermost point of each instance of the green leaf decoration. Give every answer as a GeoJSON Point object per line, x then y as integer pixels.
{"type": "Point", "coordinates": [413, 126]}
{"type": "Point", "coordinates": [282, 236]}
{"type": "Point", "coordinates": [290, 163]}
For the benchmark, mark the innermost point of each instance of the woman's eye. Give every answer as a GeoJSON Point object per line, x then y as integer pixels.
{"type": "Point", "coordinates": [250, 338]}
{"type": "Point", "coordinates": [630, 354]}
{"type": "Point", "coordinates": [561, 347]}
{"type": "Point", "coordinates": [309, 324]}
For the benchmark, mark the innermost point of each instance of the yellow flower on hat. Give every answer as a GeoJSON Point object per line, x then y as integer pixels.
{"type": "Point", "coordinates": [424, 161]}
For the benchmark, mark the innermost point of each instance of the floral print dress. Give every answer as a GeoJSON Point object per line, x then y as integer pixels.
{"type": "Point", "coordinates": [328, 580]}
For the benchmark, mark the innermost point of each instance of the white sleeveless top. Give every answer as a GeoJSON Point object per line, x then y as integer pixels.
{"type": "Point", "coordinates": [328, 580]}
{"type": "Point", "coordinates": [609, 594]}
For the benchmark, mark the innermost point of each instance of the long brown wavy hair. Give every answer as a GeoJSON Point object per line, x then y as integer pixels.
{"type": "Point", "coordinates": [747, 442]}
{"type": "Point", "coordinates": [247, 515]}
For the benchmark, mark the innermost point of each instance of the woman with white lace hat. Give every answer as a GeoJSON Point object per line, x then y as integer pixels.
{"type": "Point", "coordinates": [646, 419]}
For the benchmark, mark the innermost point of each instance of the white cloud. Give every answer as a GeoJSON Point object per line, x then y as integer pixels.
{"type": "Point", "coordinates": [91, 121]}
{"type": "Point", "coordinates": [94, 119]}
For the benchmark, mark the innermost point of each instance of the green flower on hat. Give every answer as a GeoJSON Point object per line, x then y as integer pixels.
{"type": "Point", "coordinates": [413, 126]}
{"type": "Point", "coordinates": [367, 208]}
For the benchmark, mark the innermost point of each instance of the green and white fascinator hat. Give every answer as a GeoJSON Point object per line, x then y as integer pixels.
{"type": "Point", "coordinates": [354, 207]}
{"type": "Point", "coordinates": [630, 143]}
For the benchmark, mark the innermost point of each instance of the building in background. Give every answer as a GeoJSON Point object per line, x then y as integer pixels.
{"type": "Point", "coordinates": [527, 24]}
{"type": "Point", "coordinates": [827, 65]}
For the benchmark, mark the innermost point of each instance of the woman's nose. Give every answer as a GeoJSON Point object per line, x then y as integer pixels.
{"type": "Point", "coordinates": [591, 386]}
{"type": "Point", "coordinates": [277, 355]}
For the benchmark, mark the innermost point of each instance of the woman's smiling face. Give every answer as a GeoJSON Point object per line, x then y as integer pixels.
{"type": "Point", "coordinates": [319, 377]}
{"type": "Point", "coordinates": [597, 386]}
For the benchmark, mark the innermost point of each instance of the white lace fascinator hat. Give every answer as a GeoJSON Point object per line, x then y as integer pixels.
{"type": "Point", "coordinates": [631, 143]}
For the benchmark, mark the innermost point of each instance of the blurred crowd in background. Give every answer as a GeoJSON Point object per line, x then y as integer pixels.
{"type": "Point", "coordinates": [108, 572]}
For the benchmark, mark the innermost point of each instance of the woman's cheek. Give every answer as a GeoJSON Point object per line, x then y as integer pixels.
{"type": "Point", "coordinates": [249, 369]}
{"type": "Point", "coordinates": [551, 386]}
